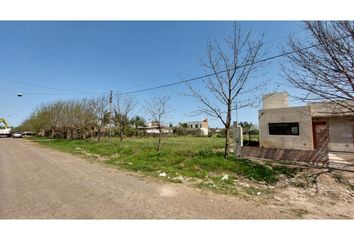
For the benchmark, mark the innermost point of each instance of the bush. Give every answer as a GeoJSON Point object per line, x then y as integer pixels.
{"type": "Point", "coordinates": [180, 131]}
{"type": "Point", "coordinates": [131, 132]}
{"type": "Point", "coordinates": [222, 133]}
{"type": "Point", "coordinates": [196, 132]}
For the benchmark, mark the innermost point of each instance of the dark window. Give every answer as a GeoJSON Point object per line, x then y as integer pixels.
{"type": "Point", "coordinates": [284, 128]}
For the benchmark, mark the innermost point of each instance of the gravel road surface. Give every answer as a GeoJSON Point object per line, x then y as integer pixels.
{"type": "Point", "coordinates": [41, 183]}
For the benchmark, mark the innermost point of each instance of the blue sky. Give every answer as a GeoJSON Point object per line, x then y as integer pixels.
{"type": "Point", "coordinates": [65, 60]}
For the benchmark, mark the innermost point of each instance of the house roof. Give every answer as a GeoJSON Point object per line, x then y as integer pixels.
{"type": "Point", "coordinates": [331, 109]}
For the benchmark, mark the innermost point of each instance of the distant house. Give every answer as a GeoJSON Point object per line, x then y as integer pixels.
{"type": "Point", "coordinates": [153, 128]}
{"type": "Point", "coordinates": [215, 130]}
{"type": "Point", "coordinates": [201, 125]}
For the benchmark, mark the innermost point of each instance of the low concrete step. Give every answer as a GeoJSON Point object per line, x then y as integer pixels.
{"type": "Point", "coordinates": [341, 160]}
{"type": "Point", "coordinates": [341, 156]}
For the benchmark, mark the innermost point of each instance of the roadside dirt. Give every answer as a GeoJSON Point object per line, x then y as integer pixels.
{"type": "Point", "coordinates": [316, 194]}
{"type": "Point", "coordinates": [36, 182]}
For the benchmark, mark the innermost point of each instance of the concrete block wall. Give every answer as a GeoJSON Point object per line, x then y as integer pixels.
{"type": "Point", "coordinates": [302, 115]}
{"type": "Point", "coordinates": [341, 134]}
{"type": "Point", "coordinates": [275, 100]}
{"type": "Point", "coordinates": [308, 156]}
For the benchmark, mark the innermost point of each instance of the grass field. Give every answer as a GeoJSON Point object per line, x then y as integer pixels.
{"type": "Point", "coordinates": [181, 158]}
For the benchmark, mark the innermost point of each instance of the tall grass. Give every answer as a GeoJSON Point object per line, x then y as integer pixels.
{"type": "Point", "coordinates": [193, 157]}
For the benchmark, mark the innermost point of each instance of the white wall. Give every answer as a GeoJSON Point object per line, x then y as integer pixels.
{"type": "Point", "coordinates": [302, 115]}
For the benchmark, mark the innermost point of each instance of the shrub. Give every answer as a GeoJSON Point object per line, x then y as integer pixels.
{"type": "Point", "coordinates": [195, 132]}
{"type": "Point", "coordinates": [180, 131]}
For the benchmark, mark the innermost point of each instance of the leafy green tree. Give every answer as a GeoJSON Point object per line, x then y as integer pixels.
{"type": "Point", "coordinates": [138, 121]}
{"type": "Point", "coordinates": [245, 128]}
{"type": "Point", "coordinates": [248, 129]}
{"type": "Point", "coordinates": [184, 125]}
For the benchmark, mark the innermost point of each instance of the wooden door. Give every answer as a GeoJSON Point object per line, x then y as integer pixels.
{"type": "Point", "coordinates": [320, 135]}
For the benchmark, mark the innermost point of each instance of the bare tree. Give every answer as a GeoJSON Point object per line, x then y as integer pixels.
{"type": "Point", "coordinates": [102, 115]}
{"type": "Point", "coordinates": [85, 119]}
{"type": "Point", "coordinates": [157, 109]}
{"type": "Point", "coordinates": [325, 71]}
{"type": "Point", "coordinates": [232, 69]}
{"type": "Point", "coordinates": [68, 118]}
{"type": "Point", "coordinates": [123, 107]}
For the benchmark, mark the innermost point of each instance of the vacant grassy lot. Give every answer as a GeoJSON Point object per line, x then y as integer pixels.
{"type": "Point", "coordinates": [181, 159]}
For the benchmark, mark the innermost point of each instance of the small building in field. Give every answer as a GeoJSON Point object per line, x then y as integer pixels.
{"type": "Point", "coordinates": [153, 128]}
{"type": "Point", "coordinates": [320, 125]}
{"type": "Point", "coordinates": [201, 125]}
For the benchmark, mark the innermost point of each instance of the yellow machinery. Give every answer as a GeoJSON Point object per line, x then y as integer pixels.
{"type": "Point", "coordinates": [5, 131]}
{"type": "Point", "coordinates": [2, 120]}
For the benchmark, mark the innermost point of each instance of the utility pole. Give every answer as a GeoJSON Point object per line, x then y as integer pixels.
{"type": "Point", "coordinates": [110, 116]}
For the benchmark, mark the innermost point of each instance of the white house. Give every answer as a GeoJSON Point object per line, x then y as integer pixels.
{"type": "Point", "coordinates": [201, 125]}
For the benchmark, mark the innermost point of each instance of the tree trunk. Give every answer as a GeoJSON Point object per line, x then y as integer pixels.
{"type": "Point", "coordinates": [227, 142]}
{"type": "Point", "coordinates": [68, 134]}
{"type": "Point", "coordinates": [92, 133]}
{"type": "Point", "coordinates": [227, 132]}
{"type": "Point", "coordinates": [74, 134]}
{"type": "Point", "coordinates": [121, 134]}
{"type": "Point", "coordinates": [53, 133]}
{"type": "Point", "coordinates": [159, 142]}
{"type": "Point", "coordinates": [99, 135]}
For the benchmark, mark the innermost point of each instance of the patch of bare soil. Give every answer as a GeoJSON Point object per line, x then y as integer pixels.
{"type": "Point", "coordinates": [315, 194]}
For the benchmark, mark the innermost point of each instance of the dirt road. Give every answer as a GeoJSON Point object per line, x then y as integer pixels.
{"type": "Point", "coordinates": [36, 182]}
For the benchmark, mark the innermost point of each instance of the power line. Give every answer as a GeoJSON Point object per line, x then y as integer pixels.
{"type": "Point", "coordinates": [174, 74]}
{"type": "Point", "coordinates": [130, 92]}
{"type": "Point", "coordinates": [223, 71]}
{"type": "Point", "coordinates": [102, 93]}
{"type": "Point", "coordinates": [45, 87]}
{"type": "Point", "coordinates": [169, 84]}
{"type": "Point", "coordinates": [61, 94]}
